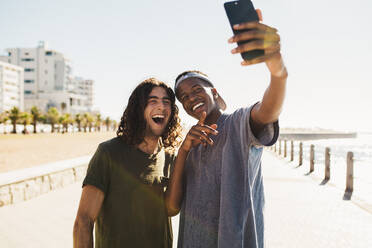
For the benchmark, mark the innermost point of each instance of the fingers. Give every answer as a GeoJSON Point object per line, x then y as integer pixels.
{"type": "Point", "coordinates": [255, 34]}
{"type": "Point", "coordinates": [200, 134]}
{"type": "Point", "coordinates": [255, 25]}
{"type": "Point", "coordinates": [267, 46]}
{"type": "Point", "coordinates": [214, 126]}
{"type": "Point", "coordinates": [260, 59]}
{"type": "Point", "coordinates": [204, 130]}
{"type": "Point", "coordinates": [200, 137]}
{"type": "Point", "coordinates": [202, 118]}
{"type": "Point", "coordinates": [259, 13]}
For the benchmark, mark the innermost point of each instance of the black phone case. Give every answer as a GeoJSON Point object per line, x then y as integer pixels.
{"type": "Point", "coordinates": [238, 12]}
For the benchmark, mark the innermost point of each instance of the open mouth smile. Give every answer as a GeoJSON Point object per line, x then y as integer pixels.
{"type": "Point", "coordinates": [196, 106]}
{"type": "Point", "coordinates": [158, 119]}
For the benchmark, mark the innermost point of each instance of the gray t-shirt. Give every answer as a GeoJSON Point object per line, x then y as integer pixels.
{"type": "Point", "coordinates": [223, 197]}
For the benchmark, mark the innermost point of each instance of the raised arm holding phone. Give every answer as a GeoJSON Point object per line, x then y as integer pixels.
{"type": "Point", "coordinates": [217, 179]}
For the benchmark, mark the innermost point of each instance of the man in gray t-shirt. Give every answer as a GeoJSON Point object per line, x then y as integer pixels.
{"type": "Point", "coordinates": [216, 181]}
{"type": "Point", "coordinates": [224, 192]}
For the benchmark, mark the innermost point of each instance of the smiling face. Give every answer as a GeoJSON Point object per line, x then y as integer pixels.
{"type": "Point", "coordinates": [196, 97]}
{"type": "Point", "coordinates": [157, 111]}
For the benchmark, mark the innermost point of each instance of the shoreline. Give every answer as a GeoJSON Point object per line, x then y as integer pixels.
{"type": "Point", "coordinates": [317, 135]}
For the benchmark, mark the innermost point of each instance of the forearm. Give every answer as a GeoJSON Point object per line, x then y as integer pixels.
{"type": "Point", "coordinates": [174, 193]}
{"type": "Point", "coordinates": [270, 107]}
{"type": "Point", "coordinates": [83, 233]}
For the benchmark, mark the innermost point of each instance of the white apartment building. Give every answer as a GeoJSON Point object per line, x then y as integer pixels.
{"type": "Point", "coordinates": [83, 87]}
{"type": "Point", "coordinates": [47, 79]}
{"type": "Point", "coordinates": [11, 87]}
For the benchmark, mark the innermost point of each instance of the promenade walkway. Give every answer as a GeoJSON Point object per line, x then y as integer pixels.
{"type": "Point", "coordinates": [299, 213]}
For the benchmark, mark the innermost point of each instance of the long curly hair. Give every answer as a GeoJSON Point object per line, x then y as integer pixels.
{"type": "Point", "coordinates": [133, 124]}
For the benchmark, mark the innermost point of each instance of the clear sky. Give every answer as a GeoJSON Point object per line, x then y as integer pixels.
{"type": "Point", "coordinates": [327, 46]}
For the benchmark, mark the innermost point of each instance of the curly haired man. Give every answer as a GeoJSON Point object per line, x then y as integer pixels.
{"type": "Point", "coordinates": [123, 191]}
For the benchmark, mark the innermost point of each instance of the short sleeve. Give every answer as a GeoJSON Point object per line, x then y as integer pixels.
{"type": "Point", "coordinates": [268, 135]}
{"type": "Point", "coordinates": [169, 163]}
{"type": "Point", "coordinates": [168, 168]}
{"type": "Point", "coordinates": [98, 173]}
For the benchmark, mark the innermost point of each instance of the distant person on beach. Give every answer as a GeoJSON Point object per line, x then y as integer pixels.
{"type": "Point", "coordinates": [123, 191]}
{"type": "Point", "coordinates": [216, 181]}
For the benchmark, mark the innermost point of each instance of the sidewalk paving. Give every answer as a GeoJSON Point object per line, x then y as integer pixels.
{"type": "Point", "coordinates": [299, 213]}
{"type": "Point", "coordinates": [46, 221]}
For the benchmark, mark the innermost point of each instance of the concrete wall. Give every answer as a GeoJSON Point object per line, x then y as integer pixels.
{"type": "Point", "coordinates": [22, 185]}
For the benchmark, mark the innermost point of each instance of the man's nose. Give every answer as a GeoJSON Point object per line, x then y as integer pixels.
{"type": "Point", "coordinates": [192, 96]}
{"type": "Point", "coordinates": [161, 105]}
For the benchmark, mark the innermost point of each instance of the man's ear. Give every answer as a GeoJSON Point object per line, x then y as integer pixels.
{"type": "Point", "coordinates": [214, 93]}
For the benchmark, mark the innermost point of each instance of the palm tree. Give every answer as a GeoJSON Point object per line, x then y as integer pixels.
{"type": "Point", "coordinates": [88, 121]}
{"type": "Point", "coordinates": [36, 116]}
{"type": "Point", "coordinates": [61, 119]}
{"type": "Point", "coordinates": [78, 120]}
{"type": "Point", "coordinates": [25, 120]}
{"type": "Point", "coordinates": [63, 107]}
{"type": "Point", "coordinates": [52, 117]}
{"type": "Point", "coordinates": [69, 120]}
{"type": "Point", "coordinates": [98, 122]}
{"type": "Point", "coordinates": [65, 120]}
{"type": "Point", "coordinates": [3, 119]}
{"type": "Point", "coordinates": [84, 123]}
{"type": "Point", "coordinates": [107, 123]}
{"type": "Point", "coordinates": [43, 119]}
{"type": "Point", "coordinates": [14, 116]}
{"type": "Point", "coordinates": [114, 125]}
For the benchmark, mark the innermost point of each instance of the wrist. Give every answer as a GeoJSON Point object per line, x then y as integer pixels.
{"type": "Point", "coordinates": [277, 67]}
{"type": "Point", "coordinates": [184, 149]}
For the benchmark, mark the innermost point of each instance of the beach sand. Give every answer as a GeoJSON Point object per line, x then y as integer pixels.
{"type": "Point", "coordinates": [19, 151]}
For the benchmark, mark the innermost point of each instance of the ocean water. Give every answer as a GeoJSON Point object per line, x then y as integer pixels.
{"type": "Point", "coordinates": [360, 146]}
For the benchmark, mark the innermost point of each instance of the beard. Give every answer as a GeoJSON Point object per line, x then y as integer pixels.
{"type": "Point", "coordinates": [152, 132]}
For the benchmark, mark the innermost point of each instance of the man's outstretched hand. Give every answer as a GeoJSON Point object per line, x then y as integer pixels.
{"type": "Point", "coordinates": [263, 37]}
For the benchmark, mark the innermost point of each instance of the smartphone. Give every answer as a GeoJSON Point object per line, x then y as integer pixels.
{"type": "Point", "coordinates": [238, 12]}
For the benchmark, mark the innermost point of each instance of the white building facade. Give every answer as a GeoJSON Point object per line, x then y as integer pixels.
{"type": "Point", "coordinates": [48, 79]}
{"type": "Point", "coordinates": [11, 87]}
{"type": "Point", "coordinates": [84, 88]}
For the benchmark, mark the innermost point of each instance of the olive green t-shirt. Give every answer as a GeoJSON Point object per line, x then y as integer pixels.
{"type": "Point", "coordinates": [133, 212]}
